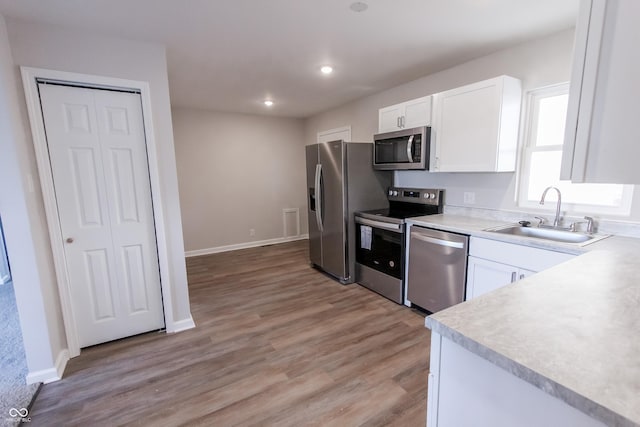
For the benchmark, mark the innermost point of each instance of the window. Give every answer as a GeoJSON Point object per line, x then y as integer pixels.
{"type": "Point", "coordinates": [543, 139]}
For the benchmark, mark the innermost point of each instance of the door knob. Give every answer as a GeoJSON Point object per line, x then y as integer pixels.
{"type": "Point", "coordinates": [69, 240]}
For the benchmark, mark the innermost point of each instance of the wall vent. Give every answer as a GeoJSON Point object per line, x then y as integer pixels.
{"type": "Point", "coordinates": [291, 222]}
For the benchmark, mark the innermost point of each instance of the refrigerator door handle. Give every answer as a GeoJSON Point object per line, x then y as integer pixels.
{"type": "Point", "coordinates": [409, 146]}
{"type": "Point", "coordinates": [319, 200]}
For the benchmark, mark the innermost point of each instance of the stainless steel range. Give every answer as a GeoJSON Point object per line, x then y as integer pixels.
{"type": "Point", "coordinates": [380, 239]}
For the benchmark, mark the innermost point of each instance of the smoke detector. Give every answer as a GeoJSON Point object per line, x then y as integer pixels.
{"type": "Point", "coordinates": [358, 6]}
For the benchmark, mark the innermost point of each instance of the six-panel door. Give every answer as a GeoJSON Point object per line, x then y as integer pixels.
{"type": "Point", "coordinates": [99, 164]}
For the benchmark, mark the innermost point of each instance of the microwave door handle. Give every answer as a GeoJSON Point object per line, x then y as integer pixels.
{"type": "Point", "coordinates": [409, 146]}
{"type": "Point", "coordinates": [319, 200]}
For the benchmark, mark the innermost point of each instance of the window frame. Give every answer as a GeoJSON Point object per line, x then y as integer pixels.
{"type": "Point", "coordinates": [528, 138]}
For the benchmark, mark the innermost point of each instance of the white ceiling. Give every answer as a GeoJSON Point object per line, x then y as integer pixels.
{"type": "Point", "coordinates": [230, 55]}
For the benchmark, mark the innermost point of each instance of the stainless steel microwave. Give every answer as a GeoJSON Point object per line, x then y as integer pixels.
{"type": "Point", "coordinates": [403, 149]}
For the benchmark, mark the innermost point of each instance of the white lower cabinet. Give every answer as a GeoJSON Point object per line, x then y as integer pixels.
{"type": "Point", "coordinates": [468, 390]}
{"type": "Point", "coordinates": [492, 264]}
{"type": "Point", "coordinates": [485, 276]}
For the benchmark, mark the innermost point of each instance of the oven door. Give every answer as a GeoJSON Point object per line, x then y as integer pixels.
{"type": "Point", "coordinates": [379, 245]}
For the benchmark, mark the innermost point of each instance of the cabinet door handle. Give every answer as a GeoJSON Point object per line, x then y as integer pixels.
{"type": "Point", "coordinates": [513, 276]}
{"type": "Point", "coordinates": [398, 121]}
{"type": "Point", "coordinates": [521, 276]}
{"type": "Point", "coordinates": [402, 121]}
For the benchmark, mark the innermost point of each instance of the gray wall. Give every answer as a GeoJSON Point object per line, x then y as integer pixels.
{"type": "Point", "coordinates": [537, 63]}
{"type": "Point", "coordinates": [25, 227]}
{"type": "Point", "coordinates": [237, 172]}
{"type": "Point", "coordinates": [52, 47]}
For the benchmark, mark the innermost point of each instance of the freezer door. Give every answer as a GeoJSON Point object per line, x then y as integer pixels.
{"type": "Point", "coordinates": [334, 217]}
{"type": "Point", "coordinates": [313, 207]}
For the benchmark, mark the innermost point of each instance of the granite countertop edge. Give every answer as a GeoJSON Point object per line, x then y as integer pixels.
{"type": "Point", "coordinates": [477, 227]}
{"type": "Point", "coordinates": [540, 381]}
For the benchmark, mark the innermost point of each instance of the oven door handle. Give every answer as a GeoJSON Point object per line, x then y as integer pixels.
{"type": "Point", "coordinates": [397, 228]}
{"type": "Point", "coordinates": [409, 147]}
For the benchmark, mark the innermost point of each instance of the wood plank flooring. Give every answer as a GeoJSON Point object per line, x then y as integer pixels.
{"type": "Point", "coordinates": [276, 344]}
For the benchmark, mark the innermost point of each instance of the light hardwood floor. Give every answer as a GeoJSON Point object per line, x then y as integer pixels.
{"type": "Point", "coordinates": [276, 344]}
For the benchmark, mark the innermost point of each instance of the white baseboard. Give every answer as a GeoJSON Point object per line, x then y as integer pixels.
{"type": "Point", "coordinates": [47, 376]}
{"type": "Point", "coordinates": [182, 325]}
{"type": "Point", "coordinates": [246, 245]}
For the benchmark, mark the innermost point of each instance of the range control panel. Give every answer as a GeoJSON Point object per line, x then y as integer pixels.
{"type": "Point", "coordinates": [425, 196]}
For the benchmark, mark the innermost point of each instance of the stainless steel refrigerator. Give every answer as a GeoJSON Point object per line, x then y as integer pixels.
{"type": "Point", "coordinates": [340, 181]}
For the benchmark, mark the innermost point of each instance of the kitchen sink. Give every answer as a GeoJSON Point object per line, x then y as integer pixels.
{"type": "Point", "coordinates": [549, 234]}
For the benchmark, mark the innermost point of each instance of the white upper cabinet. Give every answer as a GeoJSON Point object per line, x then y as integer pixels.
{"type": "Point", "coordinates": [602, 140]}
{"type": "Point", "coordinates": [406, 115]}
{"type": "Point", "coordinates": [475, 127]}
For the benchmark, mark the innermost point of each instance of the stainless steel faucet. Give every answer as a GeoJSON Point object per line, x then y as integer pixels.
{"type": "Point", "coordinates": [556, 221]}
{"type": "Point", "coordinates": [589, 224]}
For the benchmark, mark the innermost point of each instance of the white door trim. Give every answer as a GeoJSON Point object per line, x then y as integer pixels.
{"type": "Point", "coordinates": [343, 132]}
{"type": "Point", "coordinates": [5, 271]}
{"type": "Point", "coordinates": [29, 76]}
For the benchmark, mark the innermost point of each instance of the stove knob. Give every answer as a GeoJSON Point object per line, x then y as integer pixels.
{"type": "Point", "coordinates": [395, 193]}
{"type": "Point", "coordinates": [392, 264]}
{"type": "Point", "coordinates": [391, 192]}
{"type": "Point", "coordinates": [433, 195]}
{"type": "Point", "coordinates": [425, 195]}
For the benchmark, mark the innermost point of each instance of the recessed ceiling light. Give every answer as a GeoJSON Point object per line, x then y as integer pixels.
{"type": "Point", "coordinates": [268, 103]}
{"type": "Point", "coordinates": [326, 69]}
{"type": "Point", "coordinates": [358, 6]}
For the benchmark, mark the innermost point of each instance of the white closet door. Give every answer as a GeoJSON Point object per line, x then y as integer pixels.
{"type": "Point", "coordinates": [99, 164]}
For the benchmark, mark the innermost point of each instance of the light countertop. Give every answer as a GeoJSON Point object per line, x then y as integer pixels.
{"type": "Point", "coordinates": [572, 330]}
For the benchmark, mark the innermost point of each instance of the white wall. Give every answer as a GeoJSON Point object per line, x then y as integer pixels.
{"type": "Point", "coordinates": [51, 47]}
{"type": "Point", "coordinates": [25, 229]}
{"type": "Point", "coordinates": [237, 172]}
{"type": "Point", "coordinates": [537, 63]}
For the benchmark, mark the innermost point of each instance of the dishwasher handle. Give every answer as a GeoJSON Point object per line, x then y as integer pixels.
{"type": "Point", "coordinates": [440, 242]}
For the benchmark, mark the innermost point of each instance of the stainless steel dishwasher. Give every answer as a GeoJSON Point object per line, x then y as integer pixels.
{"type": "Point", "coordinates": [437, 268]}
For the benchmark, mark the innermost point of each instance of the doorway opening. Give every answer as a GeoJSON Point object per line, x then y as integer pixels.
{"type": "Point", "coordinates": [14, 391]}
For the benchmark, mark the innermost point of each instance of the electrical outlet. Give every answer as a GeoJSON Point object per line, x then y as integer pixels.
{"type": "Point", "coordinates": [252, 232]}
{"type": "Point", "coordinates": [469, 198]}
